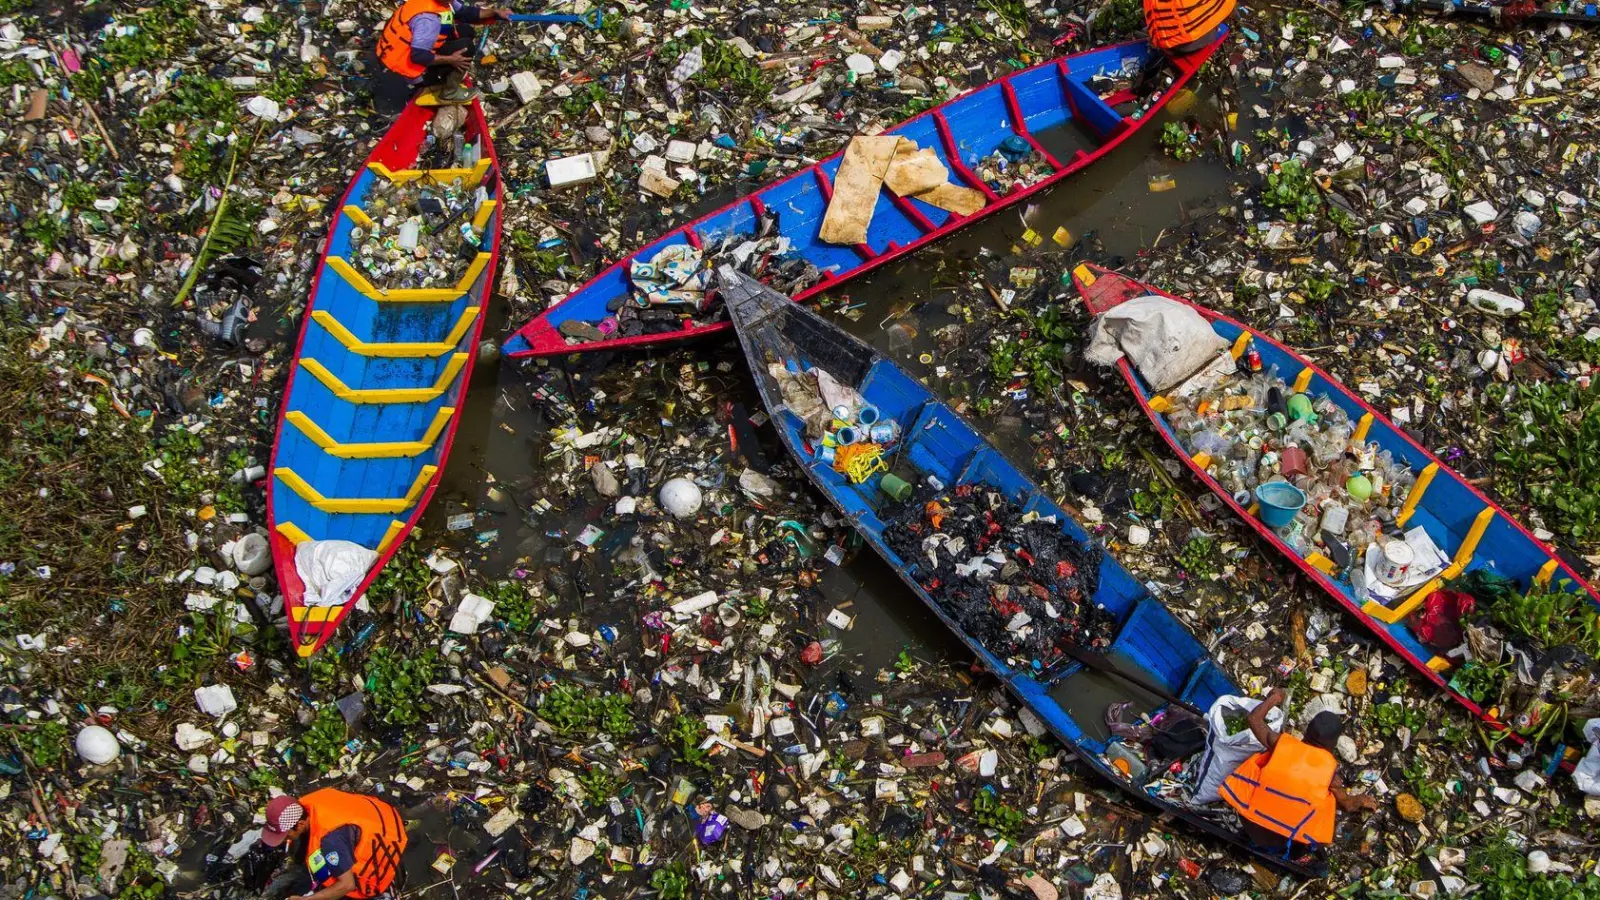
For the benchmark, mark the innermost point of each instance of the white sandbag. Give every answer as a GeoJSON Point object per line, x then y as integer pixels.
{"type": "Point", "coordinates": [1587, 774]}
{"type": "Point", "coordinates": [1224, 752]}
{"type": "Point", "coordinates": [332, 570]}
{"type": "Point", "coordinates": [1166, 340]}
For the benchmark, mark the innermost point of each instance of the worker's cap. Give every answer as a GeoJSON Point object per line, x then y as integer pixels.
{"type": "Point", "coordinates": [283, 814]}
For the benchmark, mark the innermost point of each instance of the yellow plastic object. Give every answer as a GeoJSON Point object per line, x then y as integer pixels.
{"type": "Point", "coordinates": [397, 349]}
{"type": "Point", "coordinates": [1303, 381]}
{"type": "Point", "coordinates": [374, 450]}
{"type": "Point", "coordinates": [311, 495]}
{"type": "Point", "coordinates": [859, 461]}
{"type": "Point", "coordinates": [1439, 664]}
{"type": "Point", "coordinates": [386, 395]}
{"type": "Point", "coordinates": [1160, 404]}
{"type": "Point", "coordinates": [1083, 274]}
{"type": "Point", "coordinates": [409, 295]}
{"type": "Point", "coordinates": [1415, 497]}
{"type": "Point", "coordinates": [1321, 563]}
{"type": "Point", "coordinates": [1203, 460]}
{"type": "Point", "coordinates": [1239, 344]}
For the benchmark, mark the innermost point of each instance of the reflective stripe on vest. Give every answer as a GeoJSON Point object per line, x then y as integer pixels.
{"type": "Point", "coordinates": [380, 847]}
{"type": "Point", "coordinates": [394, 44]}
{"type": "Point", "coordinates": [1174, 23]}
{"type": "Point", "coordinates": [1287, 791]}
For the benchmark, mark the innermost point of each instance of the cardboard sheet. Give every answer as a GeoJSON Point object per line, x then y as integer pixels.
{"type": "Point", "coordinates": [855, 190]}
{"type": "Point", "coordinates": [871, 162]}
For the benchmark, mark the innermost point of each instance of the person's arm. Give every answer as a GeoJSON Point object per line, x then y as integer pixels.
{"type": "Point", "coordinates": [1349, 802]}
{"type": "Point", "coordinates": [482, 15]}
{"type": "Point", "coordinates": [341, 888]}
{"type": "Point", "coordinates": [1257, 720]}
{"type": "Point", "coordinates": [425, 29]}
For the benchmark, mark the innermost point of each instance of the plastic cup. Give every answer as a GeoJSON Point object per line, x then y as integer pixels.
{"type": "Point", "coordinates": [896, 487]}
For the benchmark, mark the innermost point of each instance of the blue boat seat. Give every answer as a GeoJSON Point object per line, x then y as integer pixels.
{"type": "Point", "coordinates": [1092, 111]}
{"type": "Point", "coordinates": [1156, 642]}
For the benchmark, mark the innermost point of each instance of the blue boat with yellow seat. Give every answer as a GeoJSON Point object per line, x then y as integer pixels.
{"type": "Point", "coordinates": [377, 384]}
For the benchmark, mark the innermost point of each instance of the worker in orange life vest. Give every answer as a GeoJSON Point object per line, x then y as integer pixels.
{"type": "Point", "coordinates": [1177, 27]}
{"type": "Point", "coordinates": [353, 843]}
{"type": "Point", "coordinates": [1290, 793]}
{"type": "Point", "coordinates": [426, 42]}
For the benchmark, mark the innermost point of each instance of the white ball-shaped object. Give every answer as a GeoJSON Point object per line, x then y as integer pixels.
{"type": "Point", "coordinates": [97, 745]}
{"type": "Point", "coordinates": [681, 497]}
{"type": "Point", "coordinates": [1538, 862]}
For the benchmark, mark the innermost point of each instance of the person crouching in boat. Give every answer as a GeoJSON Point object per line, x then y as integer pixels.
{"type": "Point", "coordinates": [1177, 27]}
{"type": "Point", "coordinates": [353, 844]}
{"type": "Point", "coordinates": [427, 42]}
{"type": "Point", "coordinates": [1290, 793]}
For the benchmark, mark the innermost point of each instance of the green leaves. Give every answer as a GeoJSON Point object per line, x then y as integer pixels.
{"type": "Point", "coordinates": [571, 710]}
{"type": "Point", "coordinates": [1292, 192]}
{"type": "Point", "coordinates": [396, 682]}
{"type": "Point", "coordinates": [322, 744]}
{"type": "Point", "coordinates": [1551, 444]}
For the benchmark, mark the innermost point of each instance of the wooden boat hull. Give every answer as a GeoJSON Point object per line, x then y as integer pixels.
{"type": "Point", "coordinates": [1150, 640]}
{"type": "Point", "coordinates": [1469, 527]}
{"type": "Point", "coordinates": [966, 128]}
{"type": "Point", "coordinates": [376, 388]}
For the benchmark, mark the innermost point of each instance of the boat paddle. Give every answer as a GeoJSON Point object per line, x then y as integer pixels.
{"type": "Point", "coordinates": [594, 18]}
{"type": "Point", "coordinates": [1099, 663]}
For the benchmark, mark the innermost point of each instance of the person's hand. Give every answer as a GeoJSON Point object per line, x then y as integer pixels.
{"type": "Point", "coordinates": [460, 59]}
{"type": "Point", "coordinates": [1276, 697]}
{"type": "Point", "coordinates": [499, 13]}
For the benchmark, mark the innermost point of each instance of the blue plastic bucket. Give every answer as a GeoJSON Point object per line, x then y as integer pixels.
{"type": "Point", "coordinates": [847, 435]}
{"type": "Point", "coordinates": [867, 415]}
{"type": "Point", "coordinates": [1280, 502]}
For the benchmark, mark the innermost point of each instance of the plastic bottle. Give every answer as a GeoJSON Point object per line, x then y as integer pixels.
{"type": "Point", "coordinates": [1494, 302]}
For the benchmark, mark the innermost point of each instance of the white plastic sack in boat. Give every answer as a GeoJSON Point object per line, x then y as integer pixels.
{"type": "Point", "coordinates": [332, 570]}
{"type": "Point", "coordinates": [1587, 774]}
{"type": "Point", "coordinates": [1166, 340]}
{"type": "Point", "coordinates": [836, 393]}
{"type": "Point", "coordinates": [1224, 752]}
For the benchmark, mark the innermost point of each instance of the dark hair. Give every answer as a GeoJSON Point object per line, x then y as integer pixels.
{"type": "Point", "coordinates": [1324, 730]}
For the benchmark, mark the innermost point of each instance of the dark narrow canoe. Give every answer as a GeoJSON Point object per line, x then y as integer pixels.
{"type": "Point", "coordinates": [377, 385]}
{"type": "Point", "coordinates": [1150, 643]}
{"type": "Point", "coordinates": [961, 131]}
{"type": "Point", "coordinates": [1470, 528]}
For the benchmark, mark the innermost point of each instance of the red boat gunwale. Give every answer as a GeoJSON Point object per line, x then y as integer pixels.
{"type": "Point", "coordinates": [544, 340]}
{"type": "Point", "coordinates": [397, 149]}
{"type": "Point", "coordinates": [1091, 300]}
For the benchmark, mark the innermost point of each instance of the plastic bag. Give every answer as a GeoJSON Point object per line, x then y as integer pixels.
{"type": "Point", "coordinates": [1224, 751]}
{"type": "Point", "coordinates": [1438, 623]}
{"type": "Point", "coordinates": [1587, 774]}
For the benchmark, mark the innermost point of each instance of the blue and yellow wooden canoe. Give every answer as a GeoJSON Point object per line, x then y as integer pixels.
{"type": "Point", "coordinates": [1160, 661]}
{"type": "Point", "coordinates": [1473, 531]}
{"type": "Point", "coordinates": [1054, 94]}
{"type": "Point", "coordinates": [377, 384]}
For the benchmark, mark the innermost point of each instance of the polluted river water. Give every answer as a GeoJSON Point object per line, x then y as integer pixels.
{"type": "Point", "coordinates": [503, 439]}
{"type": "Point", "coordinates": [502, 453]}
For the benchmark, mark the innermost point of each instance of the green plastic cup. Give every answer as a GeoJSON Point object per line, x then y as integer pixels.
{"type": "Point", "coordinates": [896, 487]}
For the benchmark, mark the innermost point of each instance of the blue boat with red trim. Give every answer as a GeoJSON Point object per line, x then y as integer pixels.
{"type": "Point", "coordinates": [1473, 532]}
{"type": "Point", "coordinates": [962, 131]}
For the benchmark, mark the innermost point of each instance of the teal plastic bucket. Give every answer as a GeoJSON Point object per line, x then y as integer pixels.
{"type": "Point", "coordinates": [1280, 502]}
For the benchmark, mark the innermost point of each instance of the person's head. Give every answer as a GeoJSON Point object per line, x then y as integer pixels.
{"type": "Point", "coordinates": [286, 820]}
{"type": "Point", "coordinates": [1324, 730]}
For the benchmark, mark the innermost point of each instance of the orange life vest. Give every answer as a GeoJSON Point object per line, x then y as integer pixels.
{"type": "Point", "coordinates": [1287, 790]}
{"type": "Point", "coordinates": [394, 44]}
{"type": "Point", "coordinates": [1174, 23]}
{"type": "Point", "coordinates": [378, 850]}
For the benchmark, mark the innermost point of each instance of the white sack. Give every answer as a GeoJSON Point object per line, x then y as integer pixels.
{"type": "Point", "coordinates": [1587, 774]}
{"type": "Point", "coordinates": [1224, 752]}
{"type": "Point", "coordinates": [1166, 340]}
{"type": "Point", "coordinates": [332, 570]}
